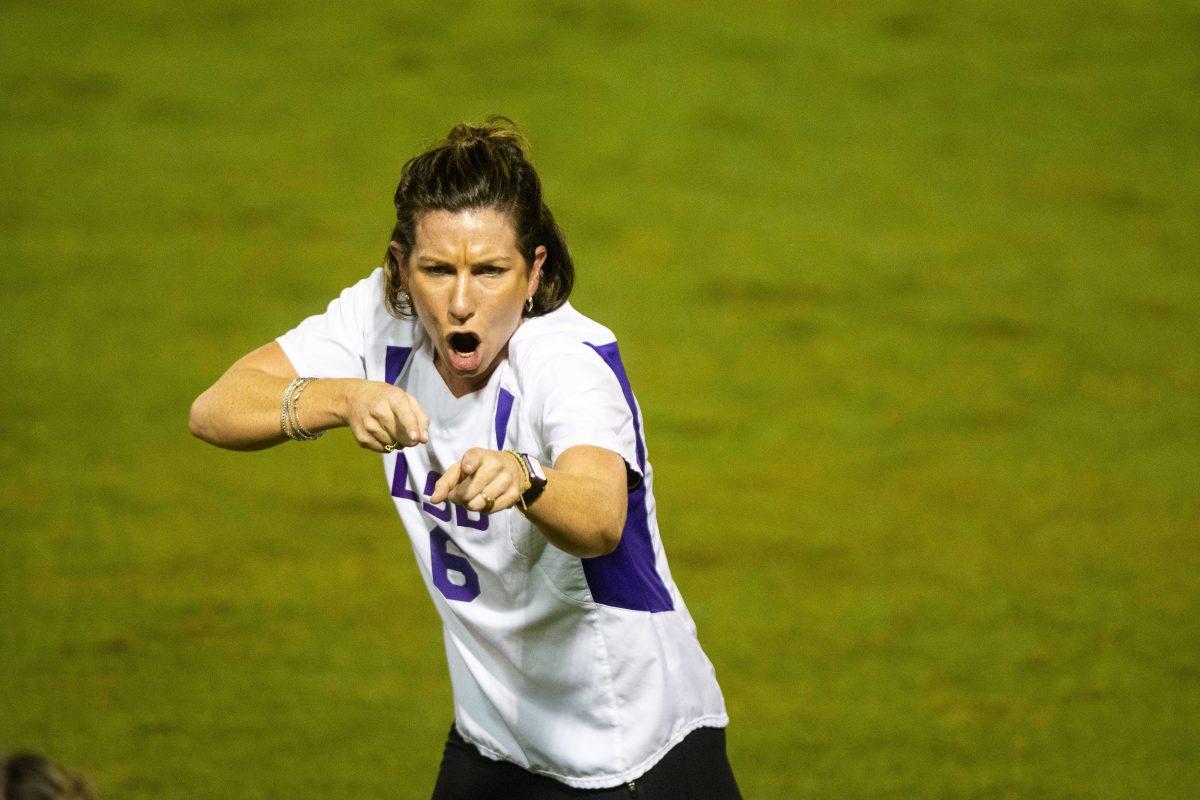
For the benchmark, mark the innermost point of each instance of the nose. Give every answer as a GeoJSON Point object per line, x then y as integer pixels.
{"type": "Point", "coordinates": [462, 301]}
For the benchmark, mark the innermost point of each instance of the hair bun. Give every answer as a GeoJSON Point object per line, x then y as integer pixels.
{"type": "Point", "coordinates": [497, 131]}
{"type": "Point", "coordinates": [462, 133]}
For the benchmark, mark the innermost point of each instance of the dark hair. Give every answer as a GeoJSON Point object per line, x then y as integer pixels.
{"type": "Point", "coordinates": [480, 167]}
{"type": "Point", "coordinates": [27, 776]}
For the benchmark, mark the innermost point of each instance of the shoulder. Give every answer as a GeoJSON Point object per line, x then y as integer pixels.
{"type": "Point", "coordinates": [367, 293]}
{"type": "Point", "coordinates": [566, 356]}
{"type": "Point", "coordinates": [573, 386]}
{"type": "Point", "coordinates": [365, 298]}
{"type": "Point", "coordinates": [372, 285]}
{"type": "Point", "coordinates": [354, 318]}
{"type": "Point", "coordinates": [563, 335]}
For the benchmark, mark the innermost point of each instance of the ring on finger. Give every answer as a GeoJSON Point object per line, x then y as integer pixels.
{"type": "Point", "coordinates": [390, 447]}
{"type": "Point", "coordinates": [488, 502]}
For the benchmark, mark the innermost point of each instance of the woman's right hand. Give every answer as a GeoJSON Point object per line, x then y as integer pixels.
{"type": "Point", "coordinates": [241, 411]}
{"type": "Point", "coordinates": [382, 417]}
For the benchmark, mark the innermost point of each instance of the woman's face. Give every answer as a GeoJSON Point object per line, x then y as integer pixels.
{"type": "Point", "coordinates": [468, 284]}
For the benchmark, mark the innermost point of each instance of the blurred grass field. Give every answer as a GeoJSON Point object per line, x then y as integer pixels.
{"type": "Point", "coordinates": [908, 294]}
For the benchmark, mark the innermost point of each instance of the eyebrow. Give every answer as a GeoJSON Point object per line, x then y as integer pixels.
{"type": "Point", "coordinates": [433, 260]}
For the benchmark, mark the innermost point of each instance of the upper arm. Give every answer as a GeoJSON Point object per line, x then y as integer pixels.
{"type": "Point", "coordinates": [270, 359]}
{"type": "Point", "coordinates": [598, 463]}
{"type": "Point", "coordinates": [608, 500]}
{"type": "Point", "coordinates": [332, 344]}
{"type": "Point", "coordinates": [210, 409]}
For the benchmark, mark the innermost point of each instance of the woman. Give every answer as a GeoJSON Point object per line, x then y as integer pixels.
{"type": "Point", "coordinates": [512, 446]}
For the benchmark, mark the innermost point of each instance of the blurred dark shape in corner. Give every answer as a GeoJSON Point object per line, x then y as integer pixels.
{"type": "Point", "coordinates": [26, 776]}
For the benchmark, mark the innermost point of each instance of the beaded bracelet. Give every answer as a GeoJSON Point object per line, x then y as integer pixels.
{"type": "Point", "coordinates": [524, 469]}
{"type": "Point", "coordinates": [524, 475]}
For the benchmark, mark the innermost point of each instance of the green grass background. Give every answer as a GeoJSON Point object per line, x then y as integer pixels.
{"type": "Point", "coordinates": [908, 293]}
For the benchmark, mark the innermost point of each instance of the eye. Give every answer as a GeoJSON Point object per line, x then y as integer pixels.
{"type": "Point", "coordinates": [437, 269]}
{"type": "Point", "coordinates": [490, 270]}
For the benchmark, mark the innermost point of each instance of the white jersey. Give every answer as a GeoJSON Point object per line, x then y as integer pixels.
{"type": "Point", "coordinates": [583, 669]}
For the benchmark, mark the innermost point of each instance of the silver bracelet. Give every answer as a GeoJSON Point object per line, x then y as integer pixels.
{"type": "Point", "coordinates": [302, 434]}
{"type": "Point", "coordinates": [285, 409]}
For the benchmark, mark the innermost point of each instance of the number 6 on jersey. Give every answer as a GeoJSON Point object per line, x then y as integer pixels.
{"type": "Point", "coordinates": [444, 564]}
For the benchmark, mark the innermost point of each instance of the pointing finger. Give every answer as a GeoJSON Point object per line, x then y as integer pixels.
{"type": "Point", "coordinates": [445, 483]}
{"type": "Point", "coordinates": [471, 460]}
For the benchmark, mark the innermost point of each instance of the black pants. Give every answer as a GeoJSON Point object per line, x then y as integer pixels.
{"type": "Point", "coordinates": [695, 769]}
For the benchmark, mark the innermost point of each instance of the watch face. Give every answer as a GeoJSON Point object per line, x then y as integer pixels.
{"type": "Point", "coordinates": [536, 473]}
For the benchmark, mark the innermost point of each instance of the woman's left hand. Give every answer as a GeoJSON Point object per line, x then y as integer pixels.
{"type": "Point", "coordinates": [483, 480]}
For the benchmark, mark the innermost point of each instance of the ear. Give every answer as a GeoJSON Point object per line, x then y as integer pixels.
{"type": "Point", "coordinates": [535, 270]}
{"type": "Point", "coordinates": [398, 254]}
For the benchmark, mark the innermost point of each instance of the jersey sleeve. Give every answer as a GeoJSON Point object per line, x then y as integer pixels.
{"type": "Point", "coordinates": [578, 399]}
{"type": "Point", "coordinates": [333, 344]}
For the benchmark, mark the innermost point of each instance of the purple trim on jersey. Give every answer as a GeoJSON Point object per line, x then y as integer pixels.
{"type": "Point", "coordinates": [503, 410]}
{"type": "Point", "coordinates": [627, 577]}
{"type": "Point", "coordinates": [400, 480]}
{"type": "Point", "coordinates": [393, 363]}
{"type": "Point", "coordinates": [612, 357]}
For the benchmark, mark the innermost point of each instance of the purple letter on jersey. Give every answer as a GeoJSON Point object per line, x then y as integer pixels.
{"type": "Point", "coordinates": [463, 517]}
{"type": "Point", "coordinates": [442, 511]}
{"type": "Point", "coordinates": [400, 479]}
{"type": "Point", "coordinates": [442, 562]}
{"type": "Point", "coordinates": [627, 577]}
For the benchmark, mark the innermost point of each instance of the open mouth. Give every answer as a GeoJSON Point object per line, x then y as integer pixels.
{"type": "Point", "coordinates": [463, 343]}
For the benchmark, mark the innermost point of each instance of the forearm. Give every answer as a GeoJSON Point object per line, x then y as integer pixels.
{"type": "Point", "coordinates": [241, 410]}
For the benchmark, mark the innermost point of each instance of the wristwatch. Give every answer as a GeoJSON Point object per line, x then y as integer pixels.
{"type": "Point", "coordinates": [537, 479]}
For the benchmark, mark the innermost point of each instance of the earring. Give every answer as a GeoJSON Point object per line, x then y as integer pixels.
{"type": "Point", "coordinates": [529, 303]}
